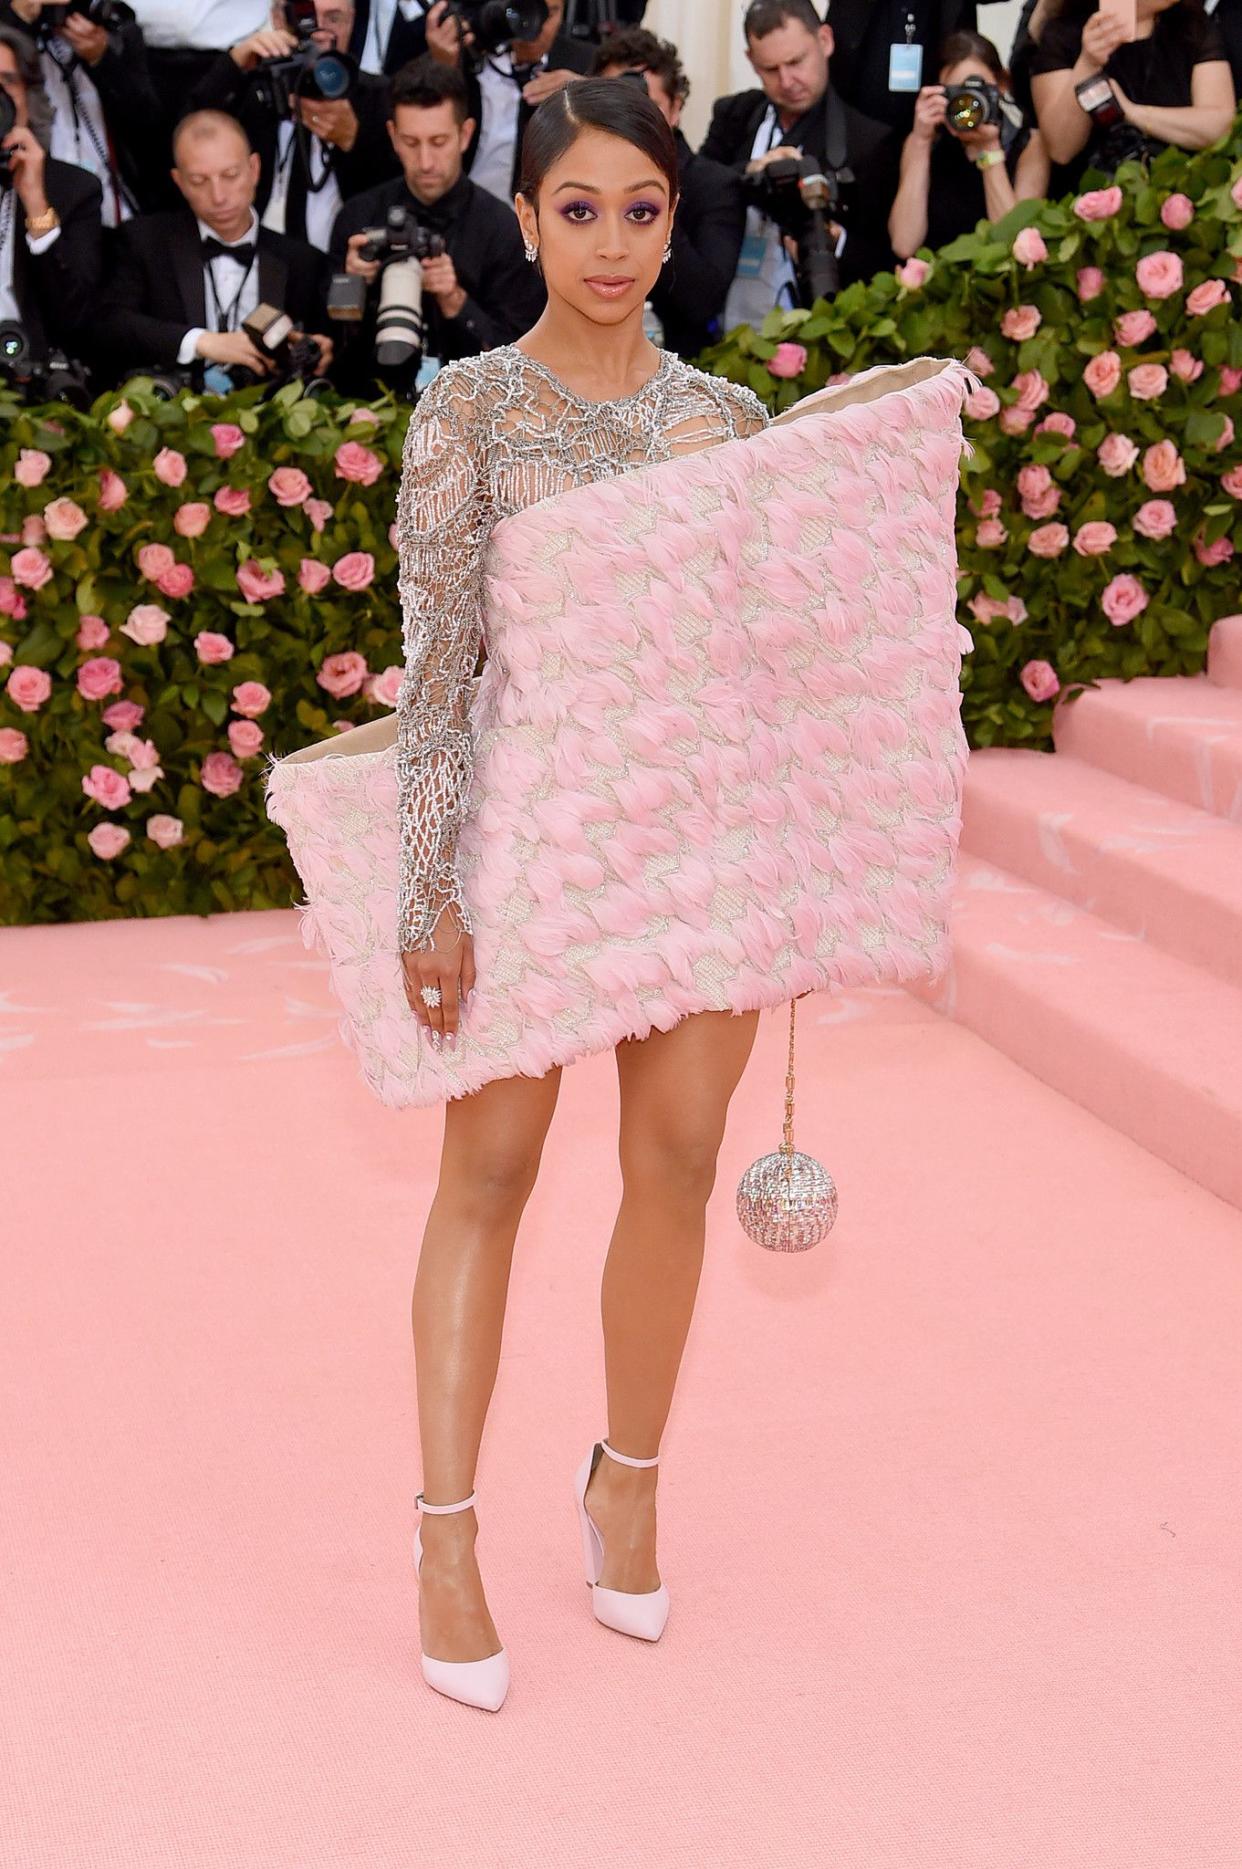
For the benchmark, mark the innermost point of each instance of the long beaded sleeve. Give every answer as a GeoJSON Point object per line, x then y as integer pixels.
{"type": "Point", "coordinates": [441, 532]}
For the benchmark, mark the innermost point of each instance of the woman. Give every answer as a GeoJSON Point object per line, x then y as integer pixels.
{"type": "Point", "coordinates": [582, 396]}
{"type": "Point", "coordinates": [1171, 83]}
{"type": "Point", "coordinates": [952, 179]}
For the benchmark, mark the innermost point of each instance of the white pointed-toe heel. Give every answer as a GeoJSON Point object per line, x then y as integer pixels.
{"type": "Point", "coordinates": [634, 1612]}
{"type": "Point", "coordinates": [482, 1683]}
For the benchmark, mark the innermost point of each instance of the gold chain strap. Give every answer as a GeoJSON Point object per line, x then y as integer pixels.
{"type": "Point", "coordinates": [787, 1146]}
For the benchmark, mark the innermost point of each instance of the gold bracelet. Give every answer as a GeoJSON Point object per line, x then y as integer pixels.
{"type": "Point", "coordinates": [39, 224]}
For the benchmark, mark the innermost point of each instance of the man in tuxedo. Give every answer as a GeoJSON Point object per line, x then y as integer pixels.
{"type": "Point", "coordinates": [308, 164]}
{"type": "Point", "coordinates": [689, 295]}
{"type": "Point", "coordinates": [480, 292]}
{"type": "Point", "coordinates": [51, 237]}
{"type": "Point", "coordinates": [389, 33]}
{"type": "Point", "coordinates": [503, 88]}
{"type": "Point", "coordinates": [797, 111]}
{"type": "Point", "coordinates": [182, 283]}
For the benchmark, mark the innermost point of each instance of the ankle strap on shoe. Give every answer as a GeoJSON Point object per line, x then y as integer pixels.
{"type": "Point", "coordinates": [628, 1460]}
{"type": "Point", "coordinates": [459, 1507]}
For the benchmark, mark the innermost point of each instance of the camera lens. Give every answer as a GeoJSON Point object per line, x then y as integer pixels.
{"type": "Point", "coordinates": [11, 344]}
{"type": "Point", "coordinates": [332, 77]}
{"type": "Point", "coordinates": [966, 113]}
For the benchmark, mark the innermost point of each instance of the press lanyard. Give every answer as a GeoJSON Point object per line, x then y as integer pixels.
{"type": "Point", "coordinates": [911, 28]}
{"type": "Point", "coordinates": [220, 312]}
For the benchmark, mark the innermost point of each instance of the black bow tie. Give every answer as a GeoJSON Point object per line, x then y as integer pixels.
{"type": "Point", "coordinates": [214, 249]}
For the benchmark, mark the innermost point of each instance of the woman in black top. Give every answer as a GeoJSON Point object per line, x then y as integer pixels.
{"type": "Point", "coordinates": [1172, 82]}
{"type": "Point", "coordinates": [953, 179]}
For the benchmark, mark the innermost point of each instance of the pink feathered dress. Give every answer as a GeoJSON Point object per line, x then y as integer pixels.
{"type": "Point", "coordinates": [714, 757]}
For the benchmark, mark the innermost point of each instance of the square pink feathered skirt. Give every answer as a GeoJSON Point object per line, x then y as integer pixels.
{"type": "Point", "coordinates": [718, 749]}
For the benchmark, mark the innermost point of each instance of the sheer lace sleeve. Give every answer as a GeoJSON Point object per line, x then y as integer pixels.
{"type": "Point", "coordinates": [749, 413]}
{"type": "Point", "coordinates": [441, 532]}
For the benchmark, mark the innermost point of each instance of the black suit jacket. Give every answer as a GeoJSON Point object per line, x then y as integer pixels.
{"type": "Point", "coordinates": [873, 153]}
{"type": "Point", "coordinates": [57, 290]}
{"type": "Point", "coordinates": [406, 40]}
{"type": "Point", "coordinates": [157, 291]}
{"type": "Point", "coordinates": [564, 54]}
{"type": "Point", "coordinates": [371, 160]}
{"type": "Point", "coordinates": [707, 238]}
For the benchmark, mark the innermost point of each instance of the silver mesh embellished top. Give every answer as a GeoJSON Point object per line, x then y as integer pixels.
{"type": "Point", "coordinates": [490, 436]}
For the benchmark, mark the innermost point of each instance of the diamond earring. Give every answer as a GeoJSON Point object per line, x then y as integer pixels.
{"type": "Point", "coordinates": [668, 253]}
{"type": "Point", "coordinates": [531, 252]}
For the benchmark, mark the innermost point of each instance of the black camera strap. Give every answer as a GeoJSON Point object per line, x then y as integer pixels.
{"type": "Point", "coordinates": [226, 315]}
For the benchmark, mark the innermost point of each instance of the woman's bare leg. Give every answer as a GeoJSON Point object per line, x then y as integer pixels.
{"type": "Point", "coordinates": [675, 1091]}
{"type": "Point", "coordinates": [492, 1144]}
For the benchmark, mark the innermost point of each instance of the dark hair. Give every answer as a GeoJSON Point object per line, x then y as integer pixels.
{"type": "Point", "coordinates": [963, 45]}
{"type": "Point", "coordinates": [634, 46]}
{"type": "Point", "coordinates": [764, 16]}
{"type": "Point", "coordinates": [29, 70]}
{"type": "Point", "coordinates": [623, 110]}
{"type": "Point", "coordinates": [424, 83]}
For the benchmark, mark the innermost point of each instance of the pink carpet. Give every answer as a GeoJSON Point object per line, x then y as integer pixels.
{"type": "Point", "coordinates": [948, 1505]}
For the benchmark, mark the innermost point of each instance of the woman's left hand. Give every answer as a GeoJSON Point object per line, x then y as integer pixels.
{"type": "Point", "coordinates": [1127, 107]}
{"type": "Point", "coordinates": [986, 137]}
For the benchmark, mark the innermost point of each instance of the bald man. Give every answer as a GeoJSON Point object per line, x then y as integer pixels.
{"type": "Point", "coordinates": [182, 283]}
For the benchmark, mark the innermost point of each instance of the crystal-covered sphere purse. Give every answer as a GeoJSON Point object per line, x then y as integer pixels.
{"type": "Point", "coordinates": [787, 1201]}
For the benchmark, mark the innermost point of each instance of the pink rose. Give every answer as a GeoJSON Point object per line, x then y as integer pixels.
{"type": "Point", "coordinates": [1207, 297]}
{"type": "Point", "coordinates": [1042, 505]}
{"type": "Point", "coordinates": [1218, 553]}
{"type": "Point", "coordinates": [1146, 381]}
{"type": "Point", "coordinates": [169, 467]}
{"type": "Point", "coordinates": [233, 502]}
{"type": "Point", "coordinates": [146, 624]}
{"type": "Point", "coordinates": [1155, 519]}
{"type": "Point", "coordinates": [31, 467]}
{"type": "Point", "coordinates": [1231, 482]}
{"type": "Point", "coordinates": [990, 533]}
{"type": "Point", "coordinates": [1090, 283]}
{"type": "Point", "coordinates": [1163, 467]}
{"type": "Point", "coordinates": [99, 677]}
{"type": "Point", "coordinates": [385, 687]}
{"type": "Point", "coordinates": [986, 609]}
{"type": "Point", "coordinates": [981, 404]}
{"type": "Point", "coordinates": [1177, 211]}
{"type": "Point", "coordinates": [221, 775]}
{"type": "Point", "coordinates": [155, 560]}
{"type": "Point", "coordinates": [1015, 420]}
{"type": "Point", "coordinates": [245, 738]}
{"type": "Point", "coordinates": [1225, 438]}
{"type": "Point", "coordinates": [289, 486]}
{"type": "Point", "coordinates": [113, 492]}
{"type": "Point", "coordinates": [92, 633]}
{"type": "Point", "coordinates": [191, 520]}
{"type": "Point", "coordinates": [342, 674]}
{"type": "Point", "coordinates": [251, 698]}
{"type": "Point", "coordinates": [1116, 455]}
{"type": "Point", "coordinates": [119, 419]}
{"type": "Point", "coordinates": [319, 512]}
{"type": "Point", "coordinates": [177, 581]}
{"type": "Point", "coordinates": [1056, 422]}
{"type": "Point", "coordinates": [1031, 388]}
{"type": "Point", "coordinates": [31, 568]}
{"type": "Point", "coordinates": [107, 840]}
{"type": "Point", "coordinates": [141, 754]}
{"type": "Point", "coordinates": [34, 532]}
{"type": "Point", "coordinates": [1033, 481]}
{"type": "Point", "coordinates": [13, 746]}
{"type": "Point", "coordinates": [228, 438]}
{"type": "Point", "coordinates": [979, 361]}
{"type": "Point", "coordinates": [28, 688]}
{"type": "Point", "coordinates": [1048, 541]}
{"type": "Point", "coordinates": [107, 787]}
{"type": "Point", "coordinates": [256, 584]}
{"type": "Point", "coordinates": [911, 274]}
{"type": "Point", "coordinates": [355, 571]}
{"type": "Point", "coordinates": [1098, 204]}
{"type": "Point", "coordinates": [1185, 366]}
{"type": "Point", "coordinates": [1021, 322]}
{"type": "Point", "coordinates": [6, 654]}
{"type": "Point", "coordinates": [1230, 380]}
{"type": "Point", "coordinates": [123, 715]}
{"type": "Point", "coordinates": [988, 504]}
{"type": "Point", "coordinates": [356, 463]}
{"type": "Point", "coordinates": [64, 519]}
{"type": "Point", "coordinates": [1029, 248]}
{"type": "Point", "coordinates": [787, 360]}
{"type": "Point", "coordinates": [1102, 373]}
{"type": "Point", "coordinates": [1123, 599]}
{"type": "Point", "coordinates": [212, 647]}
{"type": "Point", "coordinates": [1040, 680]}
{"type": "Point", "coordinates": [1095, 538]}
{"type": "Point", "coordinates": [364, 415]}
{"type": "Point", "coordinates": [312, 576]}
{"type": "Point", "coordinates": [1159, 275]}
{"type": "Point", "coordinates": [164, 831]}
{"type": "Point", "coordinates": [12, 603]}
{"type": "Point", "coordinates": [1133, 327]}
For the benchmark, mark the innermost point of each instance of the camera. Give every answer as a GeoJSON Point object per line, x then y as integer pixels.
{"type": "Point", "coordinates": [1116, 139]}
{"type": "Point", "coordinates": [311, 71]}
{"type": "Point", "coordinates": [971, 105]}
{"type": "Point", "coordinates": [110, 14]}
{"type": "Point", "coordinates": [800, 195]}
{"type": "Point", "coordinates": [8, 117]}
{"type": "Point", "coordinates": [295, 356]}
{"type": "Point", "coordinates": [400, 328]}
{"type": "Point", "coordinates": [497, 23]}
{"type": "Point", "coordinates": [54, 378]}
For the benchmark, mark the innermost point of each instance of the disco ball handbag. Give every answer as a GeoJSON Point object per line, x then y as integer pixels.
{"type": "Point", "coordinates": [787, 1201]}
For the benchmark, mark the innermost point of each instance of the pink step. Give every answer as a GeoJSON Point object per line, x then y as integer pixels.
{"type": "Point", "coordinates": [1149, 1044]}
{"type": "Point", "coordinates": [1224, 657]}
{"type": "Point", "coordinates": [1157, 868]}
{"type": "Point", "coordinates": [1176, 734]}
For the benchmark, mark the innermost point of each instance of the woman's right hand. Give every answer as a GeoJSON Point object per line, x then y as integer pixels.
{"type": "Point", "coordinates": [929, 109]}
{"type": "Point", "coordinates": [1101, 35]}
{"type": "Point", "coordinates": [448, 964]}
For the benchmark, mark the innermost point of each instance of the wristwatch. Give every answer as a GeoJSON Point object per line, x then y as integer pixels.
{"type": "Point", "coordinates": [988, 158]}
{"type": "Point", "coordinates": [39, 224]}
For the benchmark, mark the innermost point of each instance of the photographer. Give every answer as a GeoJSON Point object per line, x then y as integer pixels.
{"type": "Point", "coordinates": [504, 84]}
{"type": "Point", "coordinates": [970, 155]}
{"type": "Point", "coordinates": [183, 283]}
{"type": "Point", "coordinates": [314, 152]}
{"type": "Point", "coordinates": [1171, 84]}
{"type": "Point", "coordinates": [104, 108]}
{"type": "Point", "coordinates": [797, 112]}
{"type": "Point", "coordinates": [51, 237]}
{"type": "Point", "coordinates": [690, 293]}
{"type": "Point", "coordinates": [478, 293]}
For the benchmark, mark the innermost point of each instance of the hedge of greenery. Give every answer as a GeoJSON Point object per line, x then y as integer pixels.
{"type": "Point", "coordinates": [185, 585]}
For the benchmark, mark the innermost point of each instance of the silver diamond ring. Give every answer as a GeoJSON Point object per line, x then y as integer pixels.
{"type": "Point", "coordinates": [431, 995]}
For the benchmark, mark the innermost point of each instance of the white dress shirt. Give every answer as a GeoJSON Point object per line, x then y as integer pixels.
{"type": "Point", "coordinates": [751, 299]}
{"type": "Point", "coordinates": [227, 276]}
{"type": "Point", "coordinates": [492, 167]}
{"type": "Point", "coordinates": [9, 310]}
{"type": "Point", "coordinates": [79, 133]}
{"type": "Point", "coordinates": [322, 204]}
{"type": "Point", "coordinates": [207, 25]}
{"type": "Point", "coordinates": [380, 22]}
